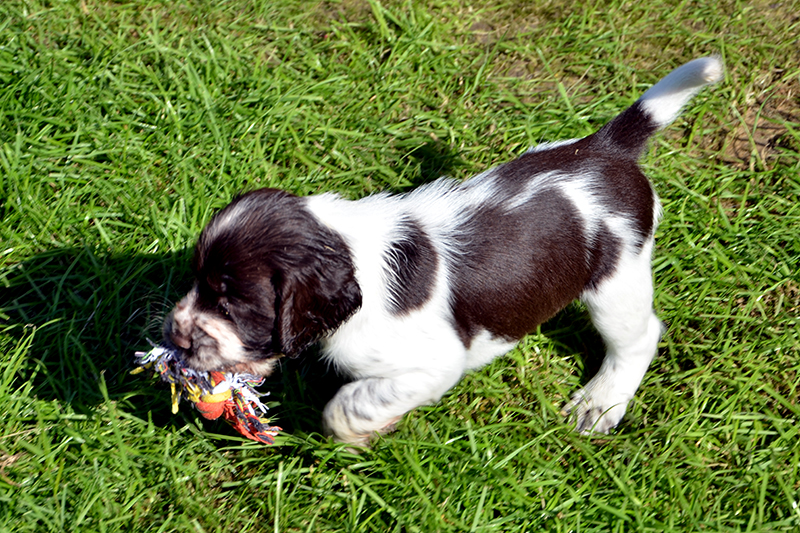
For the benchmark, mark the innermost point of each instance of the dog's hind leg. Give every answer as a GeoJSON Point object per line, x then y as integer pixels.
{"type": "Point", "coordinates": [621, 308]}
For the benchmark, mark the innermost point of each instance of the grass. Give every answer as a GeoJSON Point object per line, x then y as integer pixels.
{"type": "Point", "coordinates": [124, 125]}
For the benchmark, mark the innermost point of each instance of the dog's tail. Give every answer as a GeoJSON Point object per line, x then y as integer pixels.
{"type": "Point", "coordinates": [627, 134]}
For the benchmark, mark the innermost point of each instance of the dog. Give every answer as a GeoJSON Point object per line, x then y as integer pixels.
{"type": "Point", "coordinates": [405, 293]}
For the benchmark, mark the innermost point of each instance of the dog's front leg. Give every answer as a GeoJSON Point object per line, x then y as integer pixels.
{"type": "Point", "coordinates": [371, 406]}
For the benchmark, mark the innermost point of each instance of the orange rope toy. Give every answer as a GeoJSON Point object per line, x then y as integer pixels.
{"type": "Point", "coordinates": [214, 394]}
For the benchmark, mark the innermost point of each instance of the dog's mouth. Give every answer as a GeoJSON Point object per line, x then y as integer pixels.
{"type": "Point", "coordinates": [260, 367]}
{"type": "Point", "coordinates": [257, 366]}
{"type": "Point", "coordinates": [207, 344]}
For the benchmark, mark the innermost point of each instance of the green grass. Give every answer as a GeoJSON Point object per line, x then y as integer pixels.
{"type": "Point", "coordinates": [124, 125]}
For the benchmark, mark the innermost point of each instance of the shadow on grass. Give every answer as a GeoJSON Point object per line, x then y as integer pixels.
{"type": "Point", "coordinates": [92, 311]}
{"type": "Point", "coordinates": [571, 331]}
{"type": "Point", "coordinates": [432, 158]}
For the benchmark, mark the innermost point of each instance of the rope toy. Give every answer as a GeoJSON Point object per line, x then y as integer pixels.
{"type": "Point", "coordinates": [214, 394]}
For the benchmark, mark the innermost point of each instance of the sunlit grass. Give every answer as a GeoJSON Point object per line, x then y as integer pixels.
{"type": "Point", "coordinates": [124, 126]}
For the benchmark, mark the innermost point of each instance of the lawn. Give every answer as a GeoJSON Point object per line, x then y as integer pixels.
{"type": "Point", "coordinates": [125, 124]}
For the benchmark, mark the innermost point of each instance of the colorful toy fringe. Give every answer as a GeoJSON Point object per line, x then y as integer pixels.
{"type": "Point", "coordinates": [214, 394]}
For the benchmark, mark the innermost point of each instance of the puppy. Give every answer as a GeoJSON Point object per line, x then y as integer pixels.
{"type": "Point", "coordinates": [407, 293]}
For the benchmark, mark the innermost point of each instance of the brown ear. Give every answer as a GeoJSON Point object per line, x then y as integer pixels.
{"type": "Point", "coordinates": [316, 298]}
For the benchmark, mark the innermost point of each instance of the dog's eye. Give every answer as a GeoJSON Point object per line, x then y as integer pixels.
{"type": "Point", "coordinates": [222, 307]}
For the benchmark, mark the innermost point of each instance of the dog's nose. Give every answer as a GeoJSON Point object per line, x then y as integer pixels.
{"type": "Point", "coordinates": [181, 332]}
{"type": "Point", "coordinates": [182, 323]}
{"type": "Point", "coordinates": [181, 341]}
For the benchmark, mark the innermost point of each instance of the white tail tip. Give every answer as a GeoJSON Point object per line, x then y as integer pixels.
{"type": "Point", "coordinates": [664, 101]}
{"type": "Point", "coordinates": [711, 68]}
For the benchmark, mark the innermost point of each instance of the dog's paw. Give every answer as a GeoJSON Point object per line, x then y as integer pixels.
{"type": "Point", "coordinates": [594, 410]}
{"type": "Point", "coordinates": [346, 427]}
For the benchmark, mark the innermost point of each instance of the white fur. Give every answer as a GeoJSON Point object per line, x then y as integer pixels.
{"type": "Point", "coordinates": [400, 362]}
{"type": "Point", "coordinates": [622, 311]}
{"type": "Point", "coordinates": [665, 99]}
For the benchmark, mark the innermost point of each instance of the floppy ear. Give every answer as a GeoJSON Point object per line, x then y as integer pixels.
{"type": "Point", "coordinates": [316, 297]}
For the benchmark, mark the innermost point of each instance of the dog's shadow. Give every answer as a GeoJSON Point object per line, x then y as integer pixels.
{"type": "Point", "coordinates": [571, 332]}
{"type": "Point", "coordinates": [427, 160]}
{"type": "Point", "coordinates": [89, 312]}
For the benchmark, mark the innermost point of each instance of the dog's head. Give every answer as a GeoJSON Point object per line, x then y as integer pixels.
{"type": "Point", "coordinates": [270, 280]}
